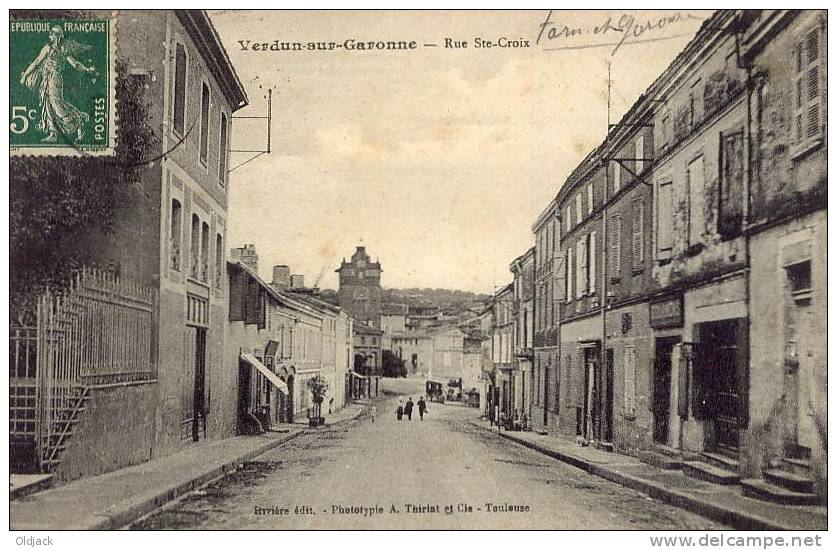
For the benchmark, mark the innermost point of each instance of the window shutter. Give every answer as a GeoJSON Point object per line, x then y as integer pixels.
{"type": "Point", "coordinates": [592, 262]}
{"type": "Point", "coordinates": [589, 199]}
{"type": "Point", "coordinates": [617, 177]}
{"type": "Point", "coordinates": [694, 176]}
{"type": "Point", "coordinates": [637, 226]}
{"type": "Point", "coordinates": [615, 247]}
{"type": "Point", "coordinates": [813, 126]}
{"type": "Point", "coordinates": [579, 215]}
{"type": "Point", "coordinates": [252, 310]}
{"type": "Point", "coordinates": [237, 290]}
{"type": "Point", "coordinates": [569, 275]}
{"type": "Point", "coordinates": [561, 276]}
{"type": "Point", "coordinates": [580, 266]}
{"type": "Point", "coordinates": [664, 217]}
{"type": "Point", "coordinates": [630, 381]}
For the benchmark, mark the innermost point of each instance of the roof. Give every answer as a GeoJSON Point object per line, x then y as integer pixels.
{"type": "Point", "coordinates": [711, 26]}
{"type": "Point", "coordinates": [394, 309]}
{"type": "Point", "coordinates": [281, 297]}
{"type": "Point", "coordinates": [206, 39]}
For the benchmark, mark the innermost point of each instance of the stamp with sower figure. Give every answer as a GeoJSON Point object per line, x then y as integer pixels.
{"type": "Point", "coordinates": [62, 87]}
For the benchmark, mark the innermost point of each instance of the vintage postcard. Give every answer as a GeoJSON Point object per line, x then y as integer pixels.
{"type": "Point", "coordinates": [431, 270]}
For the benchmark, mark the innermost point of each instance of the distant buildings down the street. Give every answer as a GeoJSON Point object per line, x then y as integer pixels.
{"type": "Point", "coordinates": [679, 273]}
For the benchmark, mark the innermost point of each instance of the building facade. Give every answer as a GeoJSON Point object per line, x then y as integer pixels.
{"type": "Point", "coordinates": [360, 293]}
{"type": "Point", "coordinates": [173, 243]}
{"type": "Point", "coordinates": [523, 309]}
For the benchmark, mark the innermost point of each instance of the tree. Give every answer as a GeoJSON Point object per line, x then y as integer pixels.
{"type": "Point", "coordinates": [57, 206]}
{"type": "Point", "coordinates": [393, 367]}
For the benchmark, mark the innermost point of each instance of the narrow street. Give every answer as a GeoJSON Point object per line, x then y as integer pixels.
{"type": "Point", "coordinates": [410, 471]}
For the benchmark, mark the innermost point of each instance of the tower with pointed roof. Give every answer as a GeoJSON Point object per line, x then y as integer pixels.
{"type": "Point", "coordinates": [360, 290]}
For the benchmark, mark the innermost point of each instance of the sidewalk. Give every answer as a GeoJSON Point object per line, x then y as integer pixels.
{"type": "Point", "coordinates": [115, 499]}
{"type": "Point", "coordinates": [721, 503]}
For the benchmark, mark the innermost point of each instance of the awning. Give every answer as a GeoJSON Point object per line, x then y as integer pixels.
{"type": "Point", "coordinates": [266, 372]}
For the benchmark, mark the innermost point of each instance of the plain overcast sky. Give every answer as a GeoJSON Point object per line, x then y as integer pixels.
{"type": "Point", "coordinates": [438, 160]}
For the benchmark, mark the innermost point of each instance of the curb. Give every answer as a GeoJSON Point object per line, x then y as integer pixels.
{"type": "Point", "coordinates": [134, 508]}
{"type": "Point", "coordinates": [126, 513]}
{"type": "Point", "coordinates": [686, 501]}
{"type": "Point", "coordinates": [32, 488]}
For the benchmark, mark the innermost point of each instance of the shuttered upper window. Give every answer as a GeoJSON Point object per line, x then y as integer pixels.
{"type": "Point", "coordinates": [581, 267]}
{"type": "Point", "coordinates": [637, 232]}
{"type": "Point", "coordinates": [807, 89]}
{"type": "Point", "coordinates": [223, 147]}
{"type": "Point", "coordinates": [180, 70]}
{"type": "Point", "coordinates": [615, 245]}
{"type": "Point", "coordinates": [204, 142]}
{"type": "Point", "coordinates": [591, 262]}
{"type": "Point", "coordinates": [665, 220]}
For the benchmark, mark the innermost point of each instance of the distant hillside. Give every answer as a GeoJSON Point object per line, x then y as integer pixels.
{"type": "Point", "coordinates": [437, 296]}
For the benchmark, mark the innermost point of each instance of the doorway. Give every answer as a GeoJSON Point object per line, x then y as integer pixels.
{"type": "Point", "coordinates": [721, 376]}
{"type": "Point", "coordinates": [592, 393]}
{"type": "Point", "coordinates": [661, 401]}
{"type": "Point", "coordinates": [199, 388]}
{"type": "Point", "coordinates": [607, 399]}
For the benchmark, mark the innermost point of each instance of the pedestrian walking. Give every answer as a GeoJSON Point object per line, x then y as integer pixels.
{"type": "Point", "coordinates": [399, 412]}
{"type": "Point", "coordinates": [422, 407]}
{"type": "Point", "coordinates": [408, 408]}
{"type": "Point", "coordinates": [373, 412]}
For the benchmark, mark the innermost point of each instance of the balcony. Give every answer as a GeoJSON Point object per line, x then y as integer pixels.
{"type": "Point", "coordinates": [524, 353]}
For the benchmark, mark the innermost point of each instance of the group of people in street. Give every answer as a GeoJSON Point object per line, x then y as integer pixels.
{"type": "Point", "coordinates": [406, 409]}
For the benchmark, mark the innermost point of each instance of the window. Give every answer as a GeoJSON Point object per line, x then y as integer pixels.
{"type": "Point", "coordinates": [175, 234]}
{"type": "Point", "coordinates": [578, 211]}
{"type": "Point", "coordinates": [637, 231]}
{"type": "Point", "coordinates": [580, 267]}
{"type": "Point", "coordinates": [223, 147]}
{"type": "Point", "coordinates": [694, 177]}
{"type": "Point", "coordinates": [204, 275]}
{"type": "Point", "coordinates": [589, 199]}
{"type": "Point", "coordinates": [799, 277]}
{"type": "Point", "coordinates": [664, 132]}
{"type": "Point", "coordinates": [567, 217]}
{"type": "Point", "coordinates": [665, 219]}
{"type": "Point", "coordinates": [630, 382]}
{"type": "Point", "coordinates": [615, 238]}
{"type": "Point", "coordinates": [617, 177]}
{"type": "Point", "coordinates": [180, 70]}
{"type": "Point", "coordinates": [194, 249]}
{"type": "Point", "coordinates": [591, 264]}
{"type": "Point", "coordinates": [204, 145]}
{"type": "Point", "coordinates": [731, 196]}
{"type": "Point", "coordinates": [639, 154]}
{"type": "Point", "coordinates": [219, 260]}
{"type": "Point", "coordinates": [695, 103]}
{"type": "Point", "coordinates": [807, 97]}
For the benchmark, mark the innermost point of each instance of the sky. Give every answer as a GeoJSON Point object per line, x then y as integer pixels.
{"type": "Point", "coordinates": [438, 160]}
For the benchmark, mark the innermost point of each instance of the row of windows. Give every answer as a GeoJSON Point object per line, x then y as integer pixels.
{"type": "Point", "coordinates": [199, 267]}
{"type": "Point", "coordinates": [181, 80]}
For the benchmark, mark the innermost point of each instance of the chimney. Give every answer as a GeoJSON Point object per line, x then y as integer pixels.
{"type": "Point", "coordinates": [246, 255]}
{"type": "Point", "coordinates": [297, 281]}
{"type": "Point", "coordinates": [281, 276]}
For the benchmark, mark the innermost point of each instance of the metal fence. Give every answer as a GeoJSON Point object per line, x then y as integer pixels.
{"type": "Point", "coordinates": [98, 331]}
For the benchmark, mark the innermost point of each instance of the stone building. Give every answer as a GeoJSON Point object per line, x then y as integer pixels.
{"type": "Point", "coordinates": [502, 391]}
{"type": "Point", "coordinates": [360, 293]}
{"type": "Point", "coordinates": [785, 52]}
{"type": "Point", "coordinates": [692, 278]}
{"type": "Point", "coordinates": [173, 244]}
{"type": "Point", "coordinates": [544, 398]}
{"type": "Point", "coordinates": [523, 309]}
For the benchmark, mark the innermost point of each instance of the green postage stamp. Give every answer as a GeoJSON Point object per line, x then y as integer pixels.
{"type": "Point", "coordinates": [62, 86]}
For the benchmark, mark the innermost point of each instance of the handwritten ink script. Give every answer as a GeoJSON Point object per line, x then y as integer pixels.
{"type": "Point", "coordinates": [612, 31]}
